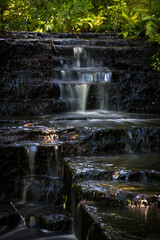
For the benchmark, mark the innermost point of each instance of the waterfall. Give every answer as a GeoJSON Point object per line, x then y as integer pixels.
{"type": "Point", "coordinates": [103, 96]}
{"type": "Point", "coordinates": [75, 81]}
{"type": "Point", "coordinates": [77, 55]}
{"type": "Point", "coordinates": [31, 158]}
{"type": "Point", "coordinates": [82, 92]}
{"type": "Point", "coordinates": [31, 151]}
{"type": "Point", "coordinates": [75, 94]}
{"type": "Point", "coordinates": [57, 161]}
{"type": "Point", "coordinates": [24, 192]}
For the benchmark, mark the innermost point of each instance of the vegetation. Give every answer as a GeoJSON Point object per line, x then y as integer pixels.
{"type": "Point", "coordinates": [131, 18]}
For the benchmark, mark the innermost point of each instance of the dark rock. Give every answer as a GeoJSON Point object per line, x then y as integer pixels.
{"type": "Point", "coordinates": [8, 216]}
{"type": "Point", "coordinates": [116, 223]}
{"type": "Point", "coordinates": [54, 222]}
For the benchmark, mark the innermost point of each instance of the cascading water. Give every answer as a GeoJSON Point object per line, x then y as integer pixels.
{"type": "Point", "coordinates": [77, 54]}
{"type": "Point", "coordinates": [31, 158]}
{"type": "Point", "coordinates": [76, 95]}
{"type": "Point", "coordinates": [75, 81]}
{"type": "Point", "coordinates": [31, 151]}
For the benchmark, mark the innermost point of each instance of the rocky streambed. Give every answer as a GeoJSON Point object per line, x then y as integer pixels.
{"type": "Point", "coordinates": [80, 138]}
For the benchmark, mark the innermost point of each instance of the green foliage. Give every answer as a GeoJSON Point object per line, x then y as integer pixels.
{"type": "Point", "coordinates": [77, 16]}
{"type": "Point", "coordinates": [3, 8]}
{"type": "Point", "coordinates": [73, 16]}
{"type": "Point", "coordinates": [29, 15]}
{"type": "Point", "coordinates": [51, 15]}
{"type": "Point", "coordinates": [130, 18]}
{"type": "Point", "coordinates": [156, 62]}
{"type": "Point", "coordinates": [156, 67]}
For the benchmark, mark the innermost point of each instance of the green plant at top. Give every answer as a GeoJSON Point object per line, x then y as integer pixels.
{"type": "Point", "coordinates": [152, 18]}
{"type": "Point", "coordinates": [121, 18]}
{"type": "Point", "coordinates": [28, 15]}
{"type": "Point", "coordinates": [3, 8]}
{"type": "Point", "coordinates": [131, 18]}
{"type": "Point", "coordinates": [156, 66]}
{"type": "Point", "coordinates": [76, 16]}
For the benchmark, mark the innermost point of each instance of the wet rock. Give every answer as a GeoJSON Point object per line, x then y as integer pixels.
{"type": "Point", "coordinates": [31, 107]}
{"type": "Point", "coordinates": [8, 216]}
{"type": "Point", "coordinates": [54, 222]}
{"type": "Point", "coordinates": [115, 193]}
{"type": "Point", "coordinates": [44, 216]}
{"type": "Point", "coordinates": [13, 162]}
{"type": "Point", "coordinates": [116, 223]}
{"type": "Point", "coordinates": [39, 189]}
{"type": "Point", "coordinates": [133, 167]}
{"type": "Point", "coordinates": [27, 158]}
{"type": "Point", "coordinates": [141, 167]}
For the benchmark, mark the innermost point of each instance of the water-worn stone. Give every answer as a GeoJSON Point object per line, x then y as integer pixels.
{"type": "Point", "coordinates": [23, 159]}
{"type": "Point", "coordinates": [116, 193]}
{"type": "Point", "coordinates": [96, 222]}
{"type": "Point", "coordinates": [133, 167]}
{"type": "Point", "coordinates": [54, 222]}
{"type": "Point", "coordinates": [39, 189]}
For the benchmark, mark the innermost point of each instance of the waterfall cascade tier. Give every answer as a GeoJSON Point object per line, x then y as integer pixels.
{"type": "Point", "coordinates": [35, 71]}
{"type": "Point", "coordinates": [74, 81]}
{"type": "Point", "coordinates": [81, 162]}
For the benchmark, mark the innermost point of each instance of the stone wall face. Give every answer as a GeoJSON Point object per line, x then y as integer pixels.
{"type": "Point", "coordinates": [27, 62]}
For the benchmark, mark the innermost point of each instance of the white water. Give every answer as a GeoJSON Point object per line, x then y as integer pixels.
{"type": "Point", "coordinates": [31, 150]}
{"type": "Point", "coordinates": [94, 76]}
{"type": "Point", "coordinates": [58, 169]}
{"type": "Point", "coordinates": [76, 95]}
{"type": "Point", "coordinates": [77, 55]}
{"type": "Point", "coordinates": [31, 158]}
{"type": "Point", "coordinates": [77, 80]}
{"type": "Point", "coordinates": [82, 92]}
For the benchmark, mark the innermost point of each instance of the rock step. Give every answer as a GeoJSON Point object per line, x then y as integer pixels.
{"type": "Point", "coordinates": [46, 217]}
{"type": "Point", "coordinates": [39, 189]}
{"type": "Point", "coordinates": [33, 85]}
{"type": "Point", "coordinates": [114, 132]}
{"type": "Point", "coordinates": [45, 63]}
{"type": "Point", "coordinates": [32, 107]}
{"type": "Point", "coordinates": [21, 161]}
{"type": "Point", "coordinates": [117, 193]}
{"type": "Point", "coordinates": [72, 38]}
{"type": "Point", "coordinates": [95, 222]}
{"type": "Point", "coordinates": [132, 167]}
{"type": "Point", "coordinates": [119, 57]}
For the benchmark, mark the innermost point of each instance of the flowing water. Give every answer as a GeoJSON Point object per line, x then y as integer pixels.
{"type": "Point", "coordinates": [75, 82]}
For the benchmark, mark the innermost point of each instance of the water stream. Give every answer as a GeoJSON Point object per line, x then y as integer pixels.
{"type": "Point", "coordinates": [75, 82]}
